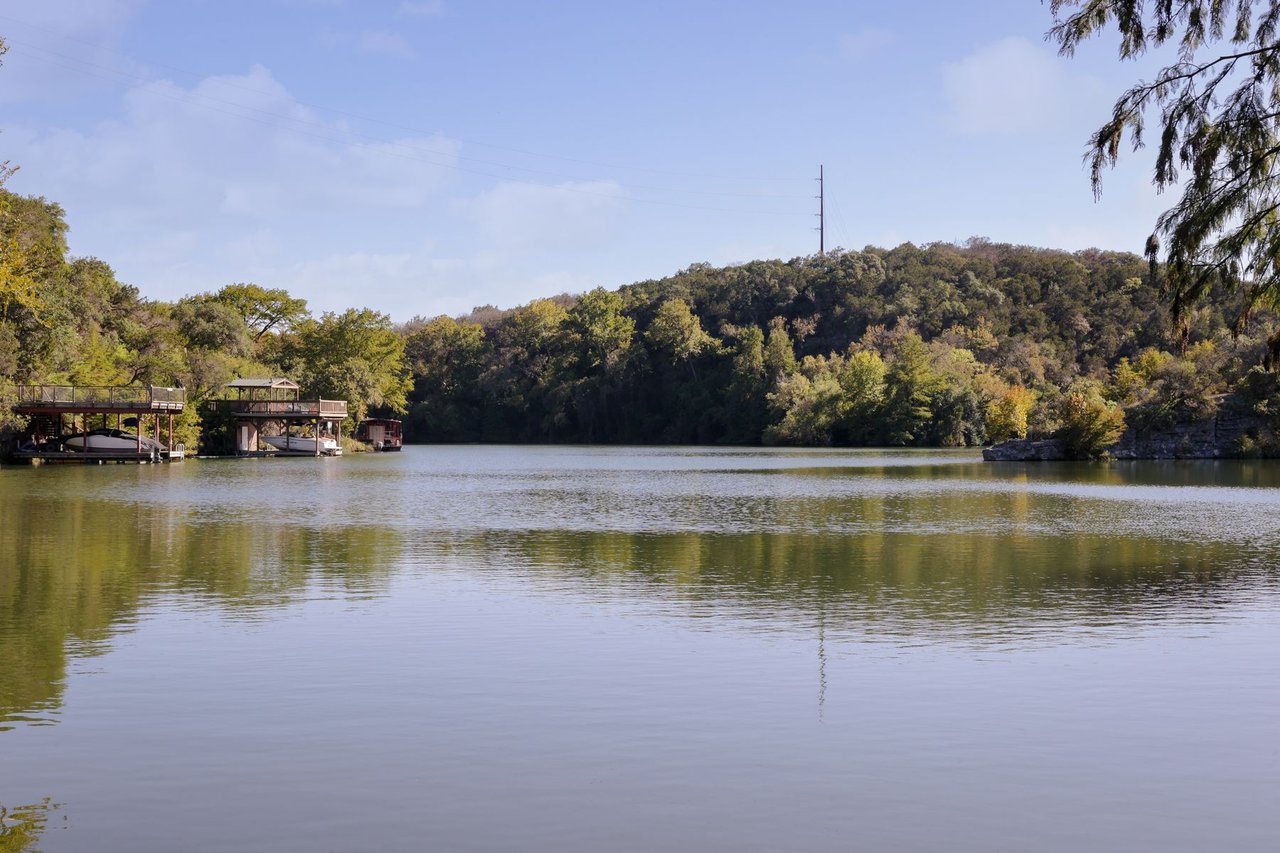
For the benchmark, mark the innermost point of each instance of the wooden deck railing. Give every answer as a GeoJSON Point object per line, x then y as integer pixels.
{"type": "Point", "coordinates": [281, 408]}
{"type": "Point", "coordinates": [140, 397]}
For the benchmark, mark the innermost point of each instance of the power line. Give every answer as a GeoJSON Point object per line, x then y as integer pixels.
{"type": "Point", "coordinates": [383, 148]}
{"type": "Point", "coordinates": [843, 232]}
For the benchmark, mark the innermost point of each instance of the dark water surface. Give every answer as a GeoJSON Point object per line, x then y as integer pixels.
{"type": "Point", "coordinates": [636, 649]}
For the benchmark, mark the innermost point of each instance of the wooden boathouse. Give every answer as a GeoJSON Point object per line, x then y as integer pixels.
{"type": "Point", "coordinates": [269, 411]}
{"type": "Point", "coordinates": [57, 413]}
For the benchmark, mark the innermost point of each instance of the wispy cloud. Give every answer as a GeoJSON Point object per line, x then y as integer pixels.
{"type": "Point", "coordinates": [181, 179]}
{"type": "Point", "coordinates": [1014, 86]}
{"type": "Point", "coordinates": [567, 217]}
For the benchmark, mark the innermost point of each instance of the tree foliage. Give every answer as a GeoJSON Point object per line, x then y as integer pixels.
{"type": "Point", "coordinates": [263, 309]}
{"type": "Point", "coordinates": [1217, 108]}
{"type": "Point", "coordinates": [918, 345]}
{"type": "Point", "coordinates": [1090, 422]}
{"type": "Point", "coordinates": [940, 344]}
{"type": "Point", "coordinates": [70, 320]}
{"type": "Point", "coordinates": [355, 356]}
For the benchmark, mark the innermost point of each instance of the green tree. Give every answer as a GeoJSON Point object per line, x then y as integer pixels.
{"type": "Point", "coordinates": [33, 247]}
{"type": "Point", "coordinates": [524, 399]}
{"type": "Point", "coordinates": [598, 333]}
{"type": "Point", "coordinates": [912, 385]}
{"type": "Point", "coordinates": [599, 340]}
{"type": "Point", "coordinates": [745, 413]}
{"type": "Point", "coordinates": [212, 324]}
{"type": "Point", "coordinates": [1091, 424]}
{"type": "Point", "coordinates": [677, 334]}
{"type": "Point", "coordinates": [862, 384]}
{"type": "Point", "coordinates": [1007, 414]}
{"type": "Point", "coordinates": [355, 356]}
{"type": "Point", "coordinates": [263, 310]}
{"type": "Point", "coordinates": [779, 352]}
{"type": "Point", "coordinates": [446, 359]}
{"type": "Point", "coordinates": [828, 399]}
{"type": "Point", "coordinates": [1218, 105]}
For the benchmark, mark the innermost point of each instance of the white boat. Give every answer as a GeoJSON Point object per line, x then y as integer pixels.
{"type": "Point", "coordinates": [302, 444]}
{"type": "Point", "coordinates": [111, 441]}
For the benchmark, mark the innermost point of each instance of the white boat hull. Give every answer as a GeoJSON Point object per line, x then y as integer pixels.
{"type": "Point", "coordinates": [111, 442]}
{"type": "Point", "coordinates": [299, 444]}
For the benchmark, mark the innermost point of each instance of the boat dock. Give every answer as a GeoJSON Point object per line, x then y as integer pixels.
{"type": "Point", "coordinates": [266, 417]}
{"type": "Point", "coordinates": [54, 411]}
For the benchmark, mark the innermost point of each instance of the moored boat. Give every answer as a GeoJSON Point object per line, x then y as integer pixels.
{"type": "Point", "coordinates": [111, 441]}
{"type": "Point", "coordinates": [303, 444]}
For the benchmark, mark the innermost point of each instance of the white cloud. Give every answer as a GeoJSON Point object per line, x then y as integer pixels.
{"type": "Point", "coordinates": [1014, 86]}
{"type": "Point", "coordinates": [382, 43]}
{"type": "Point", "coordinates": [229, 178]}
{"type": "Point", "coordinates": [353, 279]}
{"type": "Point", "coordinates": [864, 42]}
{"type": "Point", "coordinates": [232, 179]}
{"type": "Point", "coordinates": [240, 144]}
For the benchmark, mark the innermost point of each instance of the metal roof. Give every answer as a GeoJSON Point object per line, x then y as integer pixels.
{"type": "Point", "coordinates": [273, 382]}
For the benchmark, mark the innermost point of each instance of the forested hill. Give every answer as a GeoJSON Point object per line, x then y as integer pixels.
{"type": "Point", "coordinates": [933, 345]}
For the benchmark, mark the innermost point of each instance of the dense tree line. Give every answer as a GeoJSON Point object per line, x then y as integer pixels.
{"type": "Point", "coordinates": [919, 345]}
{"type": "Point", "coordinates": [931, 345]}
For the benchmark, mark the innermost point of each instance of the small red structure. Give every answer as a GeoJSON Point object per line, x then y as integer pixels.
{"type": "Point", "coordinates": [384, 434]}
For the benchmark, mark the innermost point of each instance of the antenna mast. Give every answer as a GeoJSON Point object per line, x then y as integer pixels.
{"type": "Point", "coordinates": [821, 214]}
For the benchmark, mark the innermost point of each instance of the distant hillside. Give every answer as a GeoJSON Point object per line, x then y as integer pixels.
{"type": "Point", "coordinates": [933, 345]}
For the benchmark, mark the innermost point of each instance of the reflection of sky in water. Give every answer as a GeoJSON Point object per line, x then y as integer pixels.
{"type": "Point", "coordinates": [673, 648]}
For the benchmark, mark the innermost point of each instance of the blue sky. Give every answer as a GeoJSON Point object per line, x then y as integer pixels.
{"type": "Point", "coordinates": [425, 156]}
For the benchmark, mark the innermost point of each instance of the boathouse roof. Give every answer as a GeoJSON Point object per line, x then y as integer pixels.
{"type": "Point", "coordinates": [264, 382]}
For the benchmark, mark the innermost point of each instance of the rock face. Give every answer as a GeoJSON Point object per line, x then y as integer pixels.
{"type": "Point", "coordinates": [1026, 450]}
{"type": "Point", "coordinates": [1219, 437]}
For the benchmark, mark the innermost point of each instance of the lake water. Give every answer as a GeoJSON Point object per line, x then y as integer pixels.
{"type": "Point", "coordinates": [466, 648]}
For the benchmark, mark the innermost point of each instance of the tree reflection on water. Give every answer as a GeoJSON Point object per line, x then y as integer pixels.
{"type": "Point", "coordinates": [22, 826]}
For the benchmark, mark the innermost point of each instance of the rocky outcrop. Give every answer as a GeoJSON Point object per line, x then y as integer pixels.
{"type": "Point", "coordinates": [1221, 437]}
{"type": "Point", "coordinates": [1026, 450]}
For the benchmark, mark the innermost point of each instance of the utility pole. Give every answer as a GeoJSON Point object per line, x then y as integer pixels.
{"type": "Point", "coordinates": [821, 214]}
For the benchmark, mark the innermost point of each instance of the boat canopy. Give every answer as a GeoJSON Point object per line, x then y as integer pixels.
{"type": "Point", "coordinates": [272, 382]}
{"type": "Point", "coordinates": [264, 388]}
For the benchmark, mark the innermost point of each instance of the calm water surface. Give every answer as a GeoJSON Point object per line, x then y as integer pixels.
{"type": "Point", "coordinates": [632, 649]}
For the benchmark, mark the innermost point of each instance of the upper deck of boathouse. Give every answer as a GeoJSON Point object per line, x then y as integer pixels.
{"type": "Point", "coordinates": [98, 399]}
